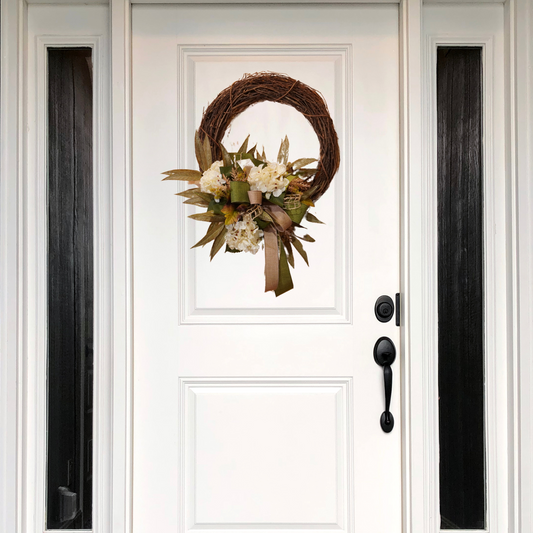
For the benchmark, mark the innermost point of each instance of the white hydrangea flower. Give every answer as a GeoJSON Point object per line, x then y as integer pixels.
{"type": "Point", "coordinates": [244, 235]}
{"type": "Point", "coordinates": [212, 180]}
{"type": "Point", "coordinates": [268, 179]}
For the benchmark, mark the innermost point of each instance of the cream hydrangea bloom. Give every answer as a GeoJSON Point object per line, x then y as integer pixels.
{"type": "Point", "coordinates": [268, 179]}
{"type": "Point", "coordinates": [212, 180]}
{"type": "Point", "coordinates": [244, 235]}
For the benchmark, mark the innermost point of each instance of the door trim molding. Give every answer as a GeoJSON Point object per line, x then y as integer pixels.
{"type": "Point", "coordinates": [419, 460]}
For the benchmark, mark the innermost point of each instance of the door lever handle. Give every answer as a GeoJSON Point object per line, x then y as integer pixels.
{"type": "Point", "coordinates": [384, 355]}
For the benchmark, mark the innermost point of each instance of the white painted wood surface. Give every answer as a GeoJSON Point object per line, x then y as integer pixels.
{"type": "Point", "coordinates": [266, 414]}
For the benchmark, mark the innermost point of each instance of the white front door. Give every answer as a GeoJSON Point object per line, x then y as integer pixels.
{"type": "Point", "coordinates": [251, 412]}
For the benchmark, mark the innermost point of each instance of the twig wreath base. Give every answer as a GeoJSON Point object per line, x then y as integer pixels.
{"type": "Point", "coordinates": [273, 87]}
{"type": "Point", "coordinates": [253, 202]}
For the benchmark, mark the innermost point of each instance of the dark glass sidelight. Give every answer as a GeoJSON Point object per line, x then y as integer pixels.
{"type": "Point", "coordinates": [70, 289]}
{"type": "Point", "coordinates": [460, 282]}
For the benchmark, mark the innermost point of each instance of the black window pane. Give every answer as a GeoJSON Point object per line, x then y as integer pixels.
{"type": "Point", "coordinates": [70, 289]}
{"type": "Point", "coordinates": [460, 281]}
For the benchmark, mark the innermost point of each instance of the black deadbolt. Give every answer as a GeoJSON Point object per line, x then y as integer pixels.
{"type": "Point", "coordinates": [384, 308]}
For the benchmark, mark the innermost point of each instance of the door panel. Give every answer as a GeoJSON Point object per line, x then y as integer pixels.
{"type": "Point", "coordinates": [255, 412]}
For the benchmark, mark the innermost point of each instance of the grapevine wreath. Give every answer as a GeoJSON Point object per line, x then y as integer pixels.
{"type": "Point", "coordinates": [252, 201]}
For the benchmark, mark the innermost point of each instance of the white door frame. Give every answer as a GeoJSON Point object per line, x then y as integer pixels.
{"type": "Point", "coordinates": [420, 422]}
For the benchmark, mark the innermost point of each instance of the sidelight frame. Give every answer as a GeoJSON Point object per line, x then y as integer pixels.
{"type": "Point", "coordinates": [114, 411]}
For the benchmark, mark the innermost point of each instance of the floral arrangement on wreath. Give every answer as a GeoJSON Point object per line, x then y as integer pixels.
{"type": "Point", "coordinates": [251, 202]}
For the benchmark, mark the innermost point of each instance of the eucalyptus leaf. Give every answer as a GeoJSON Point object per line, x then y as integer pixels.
{"type": "Point", "coordinates": [283, 154]}
{"type": "Point", "coordinates": [311, 218]}
{"type": "Point", "coordinates": [209, 216]}
{"type": "Point", "coordinates": [205, 195]}
{"type": "Point", "coordinates": [226, 158]}
{"type": "Point", "coordinates": [309, 192]}
{"type": "Point", "coordinates": [198, 148]}
{"type": "Point", "coordinates": [255, 161]}
{"type": "Point", "coordinates": [306, 172]}
{"type": "Point", "coordinates": [307, 238]}
{"type": "Point", "coordinates": [200, 202]}
{"type": "Point", "coordinates": [218, 243]}
{"type": "Point", "coordinates": [214, 229]}
{"type": "Point", "coordinates": [244, 146]}
{"type": "Point", "coordinates": [299, 163]}
{"type": "Point", "coordinates": [290, 254]}
{"type": "Point", "coordinates": [183, 175]}
{"type": "Point", "coordinates": [189, 193]}
{"type": "Point", "coordinates": [298, 245]}
{"type": "Point", "coordinates": [208, 158]}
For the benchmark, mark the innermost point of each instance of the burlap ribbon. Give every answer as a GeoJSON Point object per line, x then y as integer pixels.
{"type": "Point", "coordinates": [271, 259]}
{"type": "Point", "coordinates": [283, 222]}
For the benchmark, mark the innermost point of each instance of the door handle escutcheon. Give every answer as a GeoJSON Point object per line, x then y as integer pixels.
{"type": "Point", "coordinates": [384, 355]}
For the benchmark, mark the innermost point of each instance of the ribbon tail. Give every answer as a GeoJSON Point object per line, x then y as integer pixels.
{"type": "Point", "coordinates": [271, 259]}
{"type": "Point", "coordinates": [279, 215]}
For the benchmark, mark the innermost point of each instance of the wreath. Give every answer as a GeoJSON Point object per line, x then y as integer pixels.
{"type": "Point", "coordinates": [250, 200]}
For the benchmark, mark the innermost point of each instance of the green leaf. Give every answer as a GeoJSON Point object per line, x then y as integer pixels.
{"type": "Point", "coordinates": [285, 280]}
{"type": "Point", "coordinates": [263, 156]}
{"type": "Point", "coordinates": [296, 215]}
{"type": "Point", "coordinates": [200, 202]}
{"type": "Point", "coordinates": [301, 251]}
{"type": "Point", "coordinates": [251, 151]}
{"type": "Point", "coordinates": [307, 238]}
{"type": "Point", "coordinates": [208, 217]}
{"type": "Point", "coordinates": [216, 207]}
{"type": "Point", "coordinates": [299, 163]}
{"type": "Point", "coordinates": [218, 243]}
{"type": "Point", "coordinates": [261, 223]}
{"type": "Point", "coordinates": [208, 158]}
{"type": "Point", "coordinates": [283, 154]}
{"type": "Point", "coordinates": [277, 200]}
{"type": "Point", "coordinates": [266, 217]}
{"type": "Point", "coordinates": [226, 158]}
{"type": "Point", "coordinates": [311, 218]}
{"type": "Point", "coordinates": [183, 175]}
{"type": "Point", "coordinates": [214, 229]}
{"type": "Point", "coordinates": [198, 148]}
{"type": "Point", "coordinates": [226, 171]}
{"type": "Point", "coordinates": [244, 146]}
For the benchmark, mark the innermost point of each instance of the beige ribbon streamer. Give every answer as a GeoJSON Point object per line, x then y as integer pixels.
{"type": "Point", "coordinates": [279, 215]}
{"type": "Point", "coordinates": [271, 259]}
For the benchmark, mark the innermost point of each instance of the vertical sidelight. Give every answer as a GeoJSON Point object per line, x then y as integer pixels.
{"type": "Point", "coordinates": [70, 289]}
{"type": "Point", "coordinates": [460, 285]}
